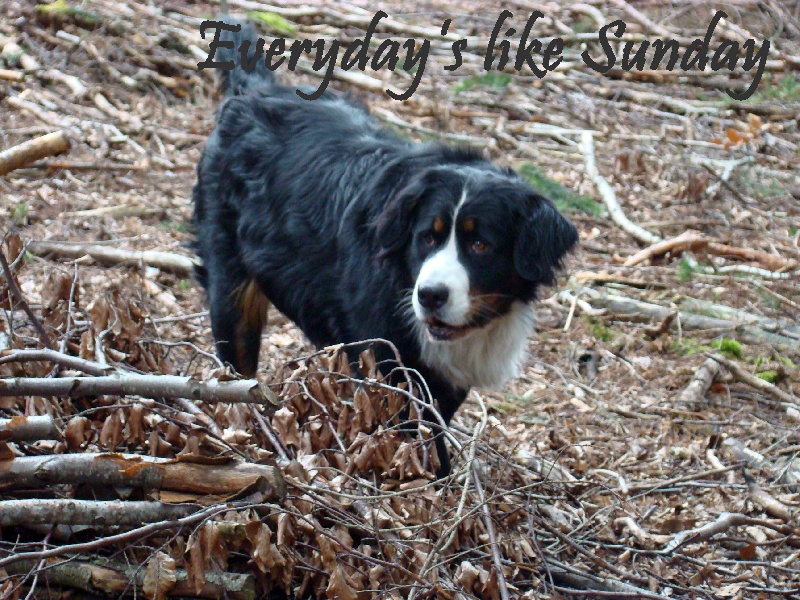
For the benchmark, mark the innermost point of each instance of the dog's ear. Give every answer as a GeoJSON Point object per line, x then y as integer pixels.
{"type": "Point", "coordinates": [392, 226]}
{"type": "Point", "coordinates": [543, 238]}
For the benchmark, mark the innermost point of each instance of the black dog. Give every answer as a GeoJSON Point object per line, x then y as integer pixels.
{"type": "Point", "coordinates": [356, 234]}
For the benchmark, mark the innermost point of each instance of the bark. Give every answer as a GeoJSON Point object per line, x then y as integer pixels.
{"type": "Point", "coordinates": [702, 380]}
{"type": "Point", "coordinates": [32, 150]}
{"type": "Point", "coordinates": [28, 429]}
{"type": "Point", "coordinates": [166, 261]}
{"type": "Point", "coordinates": [248, 391]}
{"type": "Point", "coordinates": [132, 470]}
{"type": "Point", "coordinates": [114, 580]}
{"type": "Point", "coordinates": [40, 511]}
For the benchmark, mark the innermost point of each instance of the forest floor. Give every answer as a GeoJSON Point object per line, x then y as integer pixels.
{"type": "Point", "coordinates": [641, 462]}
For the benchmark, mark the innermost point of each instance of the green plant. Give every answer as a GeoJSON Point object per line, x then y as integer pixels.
{"type": "Point", "coordinates": [171, 225]}
{"type": "Point", "coordinates": [786, 88]}
{"type": "Point", "coordinates": [19, 214]}
{"type": "Point", "coordinates": [686, 269]}
{"type": "Point", "coordinates": [565, 199]}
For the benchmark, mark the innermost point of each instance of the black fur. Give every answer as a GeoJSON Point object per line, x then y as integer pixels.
{"type": "Point", "coordinates": [330, 215]}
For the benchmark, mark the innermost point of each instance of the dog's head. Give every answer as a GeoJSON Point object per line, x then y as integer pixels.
{"type": "Point", "coordinates": [475, 239]}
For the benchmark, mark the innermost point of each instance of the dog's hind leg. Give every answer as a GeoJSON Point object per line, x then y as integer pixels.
{"type": "Point", "coordinates": [238, 316]}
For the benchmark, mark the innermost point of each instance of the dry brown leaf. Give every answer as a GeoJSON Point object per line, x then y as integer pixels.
{"type": "Point", "coordinates": [134, 426]}
{"type": "Point", "coordinates": [159, 576]}
{"type": "Point", "coordinates": [76, 432]}
{"type": "Point", "coordinates": [284, 422]}
{"type": "Point", "coordinates": [111, 434]}
{"type": "Point", "coordinates": [340, 586]}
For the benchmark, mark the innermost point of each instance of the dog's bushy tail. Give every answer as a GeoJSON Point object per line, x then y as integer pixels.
{"type": "Point", "coordinates": [238, 80]}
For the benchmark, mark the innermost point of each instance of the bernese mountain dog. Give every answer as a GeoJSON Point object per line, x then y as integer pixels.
{"type": "Point", "coordinates": [355, 234]}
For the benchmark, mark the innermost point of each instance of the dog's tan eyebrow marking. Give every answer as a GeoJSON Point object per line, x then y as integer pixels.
{"type": "Point", "coordinates": [468, 225]}
{"type": "Point", "coordinates": [438, 225]}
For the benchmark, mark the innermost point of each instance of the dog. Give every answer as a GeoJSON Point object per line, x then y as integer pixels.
{"type": "Point", "coordinates": [355, 234]}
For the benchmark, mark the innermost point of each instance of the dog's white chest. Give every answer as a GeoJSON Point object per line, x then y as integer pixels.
{"type": "Point", "coordinates": [486, 358]}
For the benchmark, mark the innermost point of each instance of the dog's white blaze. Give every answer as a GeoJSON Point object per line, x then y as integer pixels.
{"type": "Point", "coordinates": [443, 268]}
{"type": "Point", "coordinates": [487, 357]}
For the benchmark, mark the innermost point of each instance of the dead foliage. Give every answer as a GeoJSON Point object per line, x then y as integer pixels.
{"type": "Point", "coordinates": [649, 450]}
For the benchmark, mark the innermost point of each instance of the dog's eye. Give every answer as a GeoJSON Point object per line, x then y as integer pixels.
{"type": "Point", "coordinates": [478, 247]}
{"type": "Point", "coordinates": [429, 239]}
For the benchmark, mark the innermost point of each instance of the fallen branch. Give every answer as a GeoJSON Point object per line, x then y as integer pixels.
{"type": "Point", "coordinates": [28, 429]}
{"type": "Point", "coordinates": [33, 150]}
{"type": "Point", "coordinates": [691, 240]}
{"type": "Point", "coordinates": [695, 392]}
{"type": "Point", "coordinates": [723, 523]}
{"type": "Point", "coordinates": [736, 315]}
{"type": "Point", "coordinates": [166, 261]}
{"type": "Point", "coordinates": [622, 305]}
{"type": "Point", "coordinates": [113, 513]}
{"type": "Point", "coordinates": [248, 391]}
{"type": "Point", "coordinates": [688, 240]}
{"type": "Point", "coordinates": [591, 586]}
{"type": "Point", "coordinates": [772, 506]}
{"type": "Point", "coordinates": [756, 382]}
{"type": "Point", "coordinates": [128, 536]}
{"type": "Point", "coordinates": [608, 195]}
{"type": "Point", "coordinates": [14, 290]}
{"type": "Point", "coordinates": [115, 580]}
{"type": "Point", "coordinates": [133, 470]}
{"type": "Point", "coordinates": [59, 358]}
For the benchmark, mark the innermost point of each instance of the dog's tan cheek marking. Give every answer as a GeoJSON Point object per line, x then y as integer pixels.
{"type": "Point", "coordinates": [478, 299]}
{"type": "Point", "coordinates": [438, 225]}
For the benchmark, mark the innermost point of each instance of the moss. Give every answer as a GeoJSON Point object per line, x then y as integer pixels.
{"type": "Point", "coordinates": [728, 346]}
{"type": "Point", "coordinates": [598, 329]}
{"type": "Point", "coordinates": [60, 11]}
{"type": "Point", "coordinates": [770, 376]}
{"type": "Point", "coordinates": [565, 199]}
{"type": "Point", "coordinates": [689, 346]}
{"type": "Point", "coordinates": [493, 79]}
{"type": "Point", "coordinates": [273, 22]}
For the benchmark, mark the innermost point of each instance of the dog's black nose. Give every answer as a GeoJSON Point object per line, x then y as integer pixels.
{"type": "Point", "coordinates": [433, 298]}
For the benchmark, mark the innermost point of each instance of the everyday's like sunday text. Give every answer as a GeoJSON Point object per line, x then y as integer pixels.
{"type": "Point", "coordinates": [540, 58]}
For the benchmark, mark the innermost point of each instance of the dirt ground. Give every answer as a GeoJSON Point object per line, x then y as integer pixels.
{"type": "Point", "coordinates": [601, 396]}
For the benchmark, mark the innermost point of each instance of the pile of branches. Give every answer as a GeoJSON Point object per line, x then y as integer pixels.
{"type": "Point", "coordinates": [118, 479]}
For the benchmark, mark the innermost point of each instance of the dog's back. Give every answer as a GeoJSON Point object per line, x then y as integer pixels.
{"type": "Point", "coordinates": [277, 176]}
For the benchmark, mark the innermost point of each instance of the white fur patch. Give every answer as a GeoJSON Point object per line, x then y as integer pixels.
{"type": "Point", "coordinates": [487, 357]}
{"type": "Point", "coordinates": [444, 269]}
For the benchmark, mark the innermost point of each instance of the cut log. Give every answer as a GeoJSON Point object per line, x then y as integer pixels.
{"type": "Point", "coordinates": [133, 470]}
{"type": "Point", "coordinates": [28, 429]}
{"type": "Point", "coordinates": [33, 150]}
